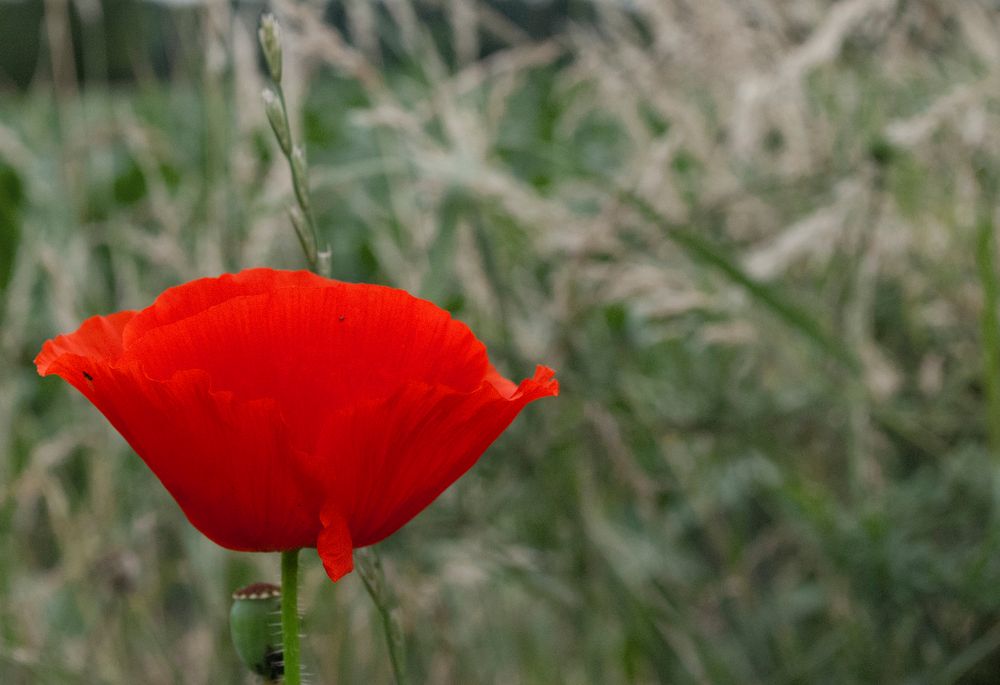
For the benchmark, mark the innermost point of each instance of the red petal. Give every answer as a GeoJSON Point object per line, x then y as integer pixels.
{"type": "Point", "coordinates": [178, 303]}
{"type": "Point", "coordinates": [315, 349]}
{"type": "Point", "coordinates": [98, 339]}
{"type": "Point", "coordinates": [383, 461]}
{"type": "Point", "coordinates": [334, 545]}
{"type": "Point", "coordinates": [229, 463]}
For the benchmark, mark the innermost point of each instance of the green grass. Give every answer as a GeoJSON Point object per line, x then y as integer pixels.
{"type": "Point", "coordinates": [773, 459]}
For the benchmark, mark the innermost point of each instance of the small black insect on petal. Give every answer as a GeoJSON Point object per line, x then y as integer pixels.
{"type": "Point", "coordinates": [341, 317]}
{"type": "Point", "coordinates": [88, 376]}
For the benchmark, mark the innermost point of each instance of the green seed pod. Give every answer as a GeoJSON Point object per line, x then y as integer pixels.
{"type": "Point", "coordinates": [254, 623]}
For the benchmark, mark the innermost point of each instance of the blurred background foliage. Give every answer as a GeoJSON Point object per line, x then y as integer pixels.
{"type": "Point", "coordinates": [755, 237]}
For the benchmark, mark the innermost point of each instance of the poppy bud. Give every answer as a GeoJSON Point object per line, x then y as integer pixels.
{"type": "Point", "coordinates": [276, 117]}
{"type": "Point", "coordinates": [269, 35]}
{"type": "Point", "coordinates": [254, 623]}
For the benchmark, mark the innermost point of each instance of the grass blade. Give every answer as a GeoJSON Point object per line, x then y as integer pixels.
{"type": "Point", "coordinates": [705, 252]}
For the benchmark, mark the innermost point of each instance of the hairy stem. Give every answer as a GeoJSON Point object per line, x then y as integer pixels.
{"type": "Point", "coordinates": [290, 616]}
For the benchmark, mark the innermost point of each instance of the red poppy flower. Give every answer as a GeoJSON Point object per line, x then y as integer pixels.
{"type": "Point", "coordinates": [285, 410]}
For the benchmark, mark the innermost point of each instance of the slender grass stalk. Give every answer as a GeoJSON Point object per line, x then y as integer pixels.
{"type": "Point", "coordinates": [856, 321]}
{"type": "Point", "coordinates": [290, 617]}
{"type": "Point", "coordinates": [276, 108]}
{"type": "Point", "coordinates": [369, 566]}
{"type": "Point", "coordinates": [986, 261]}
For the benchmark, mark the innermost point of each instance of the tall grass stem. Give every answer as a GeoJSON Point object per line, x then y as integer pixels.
{"type": "Point", "coordinates": [986, 246]}
{"type": "Point", "coordinates": [276, 108]}
{"type": "Point", "coordinates": [369, 565]}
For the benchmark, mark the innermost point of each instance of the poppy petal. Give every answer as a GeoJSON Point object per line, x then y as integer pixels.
{"type": "Point", "coordinates": [213, 452]}
{"type": "Point", "coordinates": [182, 301]}
{"type": "Point", "coordinates": [384, 461]}
{"type": "Point", "coordinates": [99, 339]}
{"type": "Point", "coordinates": [334, 545]}
{"type": "Point", "coordinates": [315, 349]}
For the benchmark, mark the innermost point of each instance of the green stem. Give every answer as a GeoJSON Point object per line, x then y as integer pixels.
{"type": "Point", "coordinates": [290, 616]}
{"type": "Point", "coordinates": [369, 565]}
